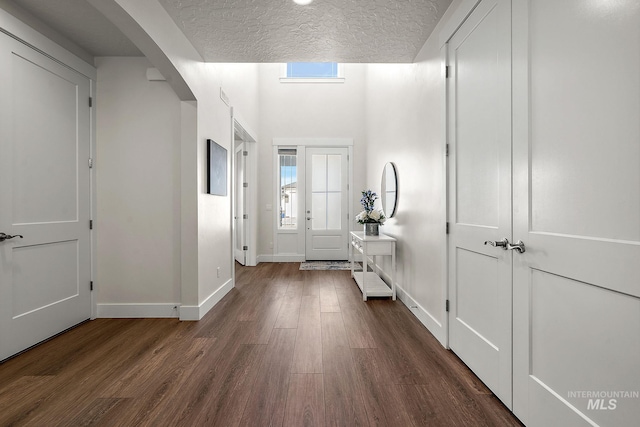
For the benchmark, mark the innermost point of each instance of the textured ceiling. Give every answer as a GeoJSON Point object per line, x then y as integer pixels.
{"type": "Point", "coordinates": [263, 30]}
{"type": "Point", "coordinates": [81, 23]}
{"type": "Point", "coordinates": [325, 30]}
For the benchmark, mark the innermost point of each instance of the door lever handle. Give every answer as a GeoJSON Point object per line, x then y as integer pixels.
{"type": "Point", "coordinates": [518, 246]}
{"type": "Point", "coordinates": [504, 243]}
{"type": "Point", "coordinates": [4, 236]}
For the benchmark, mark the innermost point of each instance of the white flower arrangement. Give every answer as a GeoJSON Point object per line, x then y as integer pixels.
{"type": "Point", "coordinates": [374, 216]}
{"type": "Point", "coordinates": [370, 215]}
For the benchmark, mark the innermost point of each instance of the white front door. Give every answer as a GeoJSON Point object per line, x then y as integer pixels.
{"type": "Point", "coordinates": [240, 205]}
{"type": "Point", "coordinates": [577, 208]}
{"type": "Point", "coordinates": [480, 194]}
{"type": "Point", "coordinates": [326, 208]}
{"type": "Point", "coordinates": [44, 194]}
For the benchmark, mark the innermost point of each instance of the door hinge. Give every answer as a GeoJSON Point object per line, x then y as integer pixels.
{"type": "Point", "coordinates": [447, 228]}
{"type": "Point", "coordinates": [90, 102]}
{"type": "Point", "coordinates": [90, 224]}
{"type": "Point", "coordinates": [245, 248]}
{"type": "Point", "coordinates": [347, 187]}
{"type": "Point", "coordinates": [245, 216]}
{"type": "Point", "coordinates": [446, 305]}
{"type": "Point", "coordinates": [90, 162]}
{"type": "Point", "coordinates": [245, 153]}
{"type": "Point", "coordinates": [245, 184]}
{"type": "Point", "coordinates": [446, 150]}
{"type": "Point", "coordinates": [447, 74]}
{"type": "Point", "coordinates": [347, 157]}
{"type": "Point", "coordinates": [91, 285]}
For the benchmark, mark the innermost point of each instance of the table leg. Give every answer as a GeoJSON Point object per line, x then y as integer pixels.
{"type": "Point", "coordinates": [352, 255]}
{"type": "Point", "coordinates": [393, 270]}
{"type": "Point", "coordinates": [365, 260]}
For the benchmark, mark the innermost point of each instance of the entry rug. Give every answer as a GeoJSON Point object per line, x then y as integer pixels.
{"type": "Point", "coordinates": [329, 265]}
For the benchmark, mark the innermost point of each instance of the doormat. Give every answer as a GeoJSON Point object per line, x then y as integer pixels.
{"type": "Point", "coordinates": [329, 265]}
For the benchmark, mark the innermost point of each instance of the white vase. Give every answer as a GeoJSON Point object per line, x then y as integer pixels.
{"type": "Point", "coordinates": [371, 229]}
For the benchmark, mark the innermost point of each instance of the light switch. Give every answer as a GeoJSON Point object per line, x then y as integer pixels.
{"type": "Point", "coordinates": [269, 207]}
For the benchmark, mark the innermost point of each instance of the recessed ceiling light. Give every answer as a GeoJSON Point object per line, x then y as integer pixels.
{"type": "Point", "coordinates": [302, 2]}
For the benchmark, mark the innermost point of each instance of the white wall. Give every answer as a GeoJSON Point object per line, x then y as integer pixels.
{"type": "Point", "coordinates": [404, 115]}
{"type": "Point", "coordinates": [205, 238]}
{"type": "Point", "coordinates": [306, 110]}
{"type": "Point", "coordinates": [206, 219]}
{"type": "Point", "coordinates": [214, 121]}
{"type": "Point", "coordinates": [138, 186]}
{"type": "Point", "coordinates": [405, 124]}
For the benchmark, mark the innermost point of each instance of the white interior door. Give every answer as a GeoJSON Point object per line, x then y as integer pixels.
{"type": "Point", "coordinates": [326, 212]}
{"type": "Point", "coordinates": [240, 205]}
{"type": "Point", "coordinates": [44, 189]}
{"type": "Point", "coordinates": [577, 208]}
{"type": "Point", "coordinates": [480, 195]}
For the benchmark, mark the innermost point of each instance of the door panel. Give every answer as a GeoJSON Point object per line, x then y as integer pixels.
{"type": "Point", "coordinates": [45, 172]}
{"type": "Point", "coordinates": [44, 188]}
{"type": "Point", "coordinates": [480, 194]}
{"type": "Point", "coordinates": [36, 284]}
{"type": "Point", "coordinates": [326, 204]}
{"type": "Point", "coordinates": [577, 208]}
{"type": "Point", "coordinates": [477, 286]}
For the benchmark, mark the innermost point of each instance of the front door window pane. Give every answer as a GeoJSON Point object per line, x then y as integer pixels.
{"type": "Point", "coordinates": [334, 177]}
{"type": "Point", "coordinates": [319, 173]}
{"type": "Point", "coordinates": [334, 211]}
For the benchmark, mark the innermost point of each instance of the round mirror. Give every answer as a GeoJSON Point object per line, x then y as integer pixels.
{"type": "Point", "coordinates": [389, 190]}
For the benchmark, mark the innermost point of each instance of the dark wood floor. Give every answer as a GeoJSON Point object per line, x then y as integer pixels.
{"type": "Point", "coordinates": [284, 348]}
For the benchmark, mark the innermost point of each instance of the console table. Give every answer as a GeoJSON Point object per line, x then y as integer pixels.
{"type": "Point", "coordinates": [370, 283]}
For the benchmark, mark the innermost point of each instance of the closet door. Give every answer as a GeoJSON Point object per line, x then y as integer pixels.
{"type": "Point", "coordinates": [577, 208]}
{"type": "Point", "coordinates": [44, 197]}
{"type": "Point", "coordinates": [480, 278]}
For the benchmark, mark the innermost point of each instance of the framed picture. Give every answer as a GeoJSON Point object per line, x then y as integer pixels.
{"type": "Point", "coordinates": [216, 169]}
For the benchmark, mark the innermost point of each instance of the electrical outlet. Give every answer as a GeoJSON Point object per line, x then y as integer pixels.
{"type": "Point", "coordinates": [218, 271]}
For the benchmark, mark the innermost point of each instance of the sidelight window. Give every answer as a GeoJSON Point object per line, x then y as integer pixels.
{"type": "Point", "coordinates": [288, 186]}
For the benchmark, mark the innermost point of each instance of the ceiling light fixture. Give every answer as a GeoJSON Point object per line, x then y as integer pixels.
{"type": "Point", "coordinates": [302, 2]}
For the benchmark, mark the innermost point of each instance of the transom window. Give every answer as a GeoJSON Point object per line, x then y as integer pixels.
{"type": "Point", "coordinates": [312, 70]}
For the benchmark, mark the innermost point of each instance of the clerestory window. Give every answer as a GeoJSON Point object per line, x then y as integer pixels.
{"type": "Point", "coordinates": [313, 72]}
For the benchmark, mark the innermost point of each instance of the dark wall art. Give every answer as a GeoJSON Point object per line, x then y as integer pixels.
{"type": "Point", "coordinates": [216, 169]}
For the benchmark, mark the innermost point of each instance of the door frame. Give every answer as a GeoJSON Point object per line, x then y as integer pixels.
{"type": "Point", "coordinates": [251, 196]}
{"type": "Point", "coordinates": [239, 147]}
{"type": "Point", "coordinates": [301, 144]}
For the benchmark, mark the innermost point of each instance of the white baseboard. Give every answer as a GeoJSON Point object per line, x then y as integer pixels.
{"type": "Point", "coordinates": [292, 258]}
{"type": "Point", "coordinates": [281, 258]}
{"type": "Point", "coordinates": [431, 323]}
{"type": "Point", "coordinates": [137, 311]}
{"type": "Point", "coordinates": [197, 312]}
